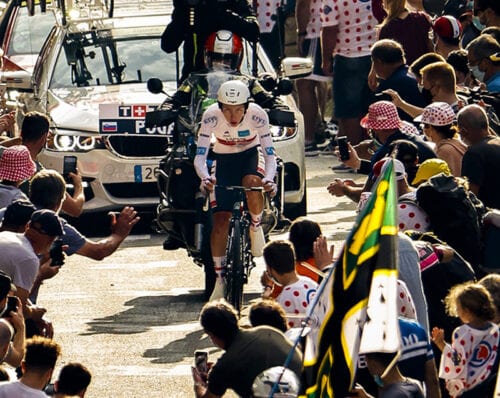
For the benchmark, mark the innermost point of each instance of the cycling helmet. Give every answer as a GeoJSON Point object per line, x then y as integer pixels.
{"type": "Point", "coordinates": [233, 92]}
{"type": "Point", "coordinates": [223, 48]}
{"type": "Point", "coordinates": [288, 386]}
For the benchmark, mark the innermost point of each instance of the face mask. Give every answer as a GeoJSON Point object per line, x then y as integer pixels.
{"type": "Point", "coordinates": [378, 381]}
{"type": "Point", "coordinates": [477, 73]}
{"type": "Point", "coordinates": [477, 24]}
{"type": "Point", "coordinates": [426, 94]}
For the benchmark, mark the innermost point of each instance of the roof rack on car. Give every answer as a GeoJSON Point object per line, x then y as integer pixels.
{"type": "Point", "coordinates": [92, 10]}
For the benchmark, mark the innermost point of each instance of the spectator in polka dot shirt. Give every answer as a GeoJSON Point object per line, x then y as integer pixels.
{"type": "Point", "coordinates": [410, 215]}
{"type": "Point", "coordinates": [348, 32]}
{"type": "Point", "coordinates": [468, 361]}
{"type": "Point", "coordinates": [298, 291]}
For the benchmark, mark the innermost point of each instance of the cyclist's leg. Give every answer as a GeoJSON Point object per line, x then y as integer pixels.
{"type": "Point", "coordinates": [218, 239]}
{"type": "Point", "coordinates": [222, 204]}
{"type": "Point", "coordinates": [253, 173]}
{"type": "Point", "coordinates": [255, 200]}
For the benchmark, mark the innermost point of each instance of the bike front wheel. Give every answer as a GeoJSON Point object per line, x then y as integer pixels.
{"type": "Point", "coordinates": [235, 271]}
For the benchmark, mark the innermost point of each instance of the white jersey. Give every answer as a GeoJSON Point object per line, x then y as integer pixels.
{"type": "Point", "coordinates": [295, 299]}
{"type": "Point", "coordinates": [251, 132]}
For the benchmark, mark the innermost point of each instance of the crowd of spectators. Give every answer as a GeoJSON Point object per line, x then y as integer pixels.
{"type": "Point", "coordinates": [417, 84]}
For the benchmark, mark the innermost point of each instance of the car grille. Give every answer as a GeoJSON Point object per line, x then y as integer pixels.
{"type": "Point", "coordinates": [138, 146]}
{"type": "Point", "coordinates": [128, 190]}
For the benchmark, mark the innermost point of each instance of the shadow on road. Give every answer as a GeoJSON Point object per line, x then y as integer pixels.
{"type": "Point", "coordinates": [149, 311]}
{"type": "Point", "coordinates": [177, 350]}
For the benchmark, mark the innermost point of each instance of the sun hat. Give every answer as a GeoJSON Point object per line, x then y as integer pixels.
{"type": "Point", "coordinates": [409, 128]}
{"type": "Point", "coordinates": [382, 115]}
{"type": "Point", "coordinates": [16, 164]}
{"type": "Point", "coordinates": [430, 168]}
{"type": "Point", "coordinates": [447, 27]}
{"type": "Point", "coordinates": [437, 114]}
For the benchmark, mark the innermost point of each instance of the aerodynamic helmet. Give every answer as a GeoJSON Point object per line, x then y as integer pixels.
{"type": "Point", "coordinates": [233, 92]}
{"type": "Point", "coordinates": [224, 47]}
{"type": "Point", "coordinates": [288, 385]}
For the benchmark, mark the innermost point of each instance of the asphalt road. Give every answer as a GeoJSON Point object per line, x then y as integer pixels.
{"type": "Point", "coordinates": [132, 319]}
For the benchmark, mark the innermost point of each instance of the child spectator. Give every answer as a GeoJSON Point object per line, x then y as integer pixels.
{"type": "Point", "coordinates": [268, 312]}
{"type": "Point", "coordinates": [469, 359]}
{"type": "Point", "coordinates": [302, 234]}
{"type": "Point", "coordinates": [298, 291]}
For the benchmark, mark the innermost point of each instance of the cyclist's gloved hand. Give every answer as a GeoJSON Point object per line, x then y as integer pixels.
{"type": "Point", "coordinates": [270, 186]}
{"type": "Point", "coordinates": [207, 184]}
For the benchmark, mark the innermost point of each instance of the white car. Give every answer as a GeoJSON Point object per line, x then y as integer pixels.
{"type": "Point", "coordinates": [21, 36]}
{"type": "Point", "coordinates": [90, 79]}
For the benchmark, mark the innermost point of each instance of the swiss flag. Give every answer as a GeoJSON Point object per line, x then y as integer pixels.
{"type": "Point", "coordinates": [139, 111]}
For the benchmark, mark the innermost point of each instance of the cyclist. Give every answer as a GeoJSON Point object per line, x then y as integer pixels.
{"type": "Point", "coordinates": [243, 154]}
{"type": "Point", "coordinates": [223, 56]}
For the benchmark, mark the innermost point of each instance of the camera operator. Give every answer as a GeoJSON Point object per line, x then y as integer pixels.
{"type": "Point", "coordinates": [223, 53]}
{"type": "Point", "coordinates": [194, 20]}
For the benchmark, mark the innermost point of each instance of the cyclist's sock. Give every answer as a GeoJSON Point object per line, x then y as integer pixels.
{"type": "Point", "coordinates": [219, 267]}
{"type": "Point", "coordinates": [256, 219]}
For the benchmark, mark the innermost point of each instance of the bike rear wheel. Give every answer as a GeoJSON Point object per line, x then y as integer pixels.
{"type": "Point", "coordinates": [235, 277]}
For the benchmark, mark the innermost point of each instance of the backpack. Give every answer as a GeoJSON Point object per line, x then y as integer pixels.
{"type": "Point", "coordinates": [455, 215]}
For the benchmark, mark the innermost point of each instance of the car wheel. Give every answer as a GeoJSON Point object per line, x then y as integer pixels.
{"type": "Point", "coordinates": [295, 210]}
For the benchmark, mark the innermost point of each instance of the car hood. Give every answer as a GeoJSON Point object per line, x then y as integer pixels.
{"type": "Point", "coordinates": [78, 108]}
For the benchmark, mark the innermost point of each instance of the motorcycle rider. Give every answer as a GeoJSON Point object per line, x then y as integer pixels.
{"type": "Point", "coordinates": [194, 20]}
{"type": "Point", "coordinates": [243, 155]}
{"type": "Point", "coordinates": [223, 54]}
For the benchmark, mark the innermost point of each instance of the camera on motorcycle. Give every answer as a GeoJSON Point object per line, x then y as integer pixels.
{"type": "Point", "coordinates": [285, 86]}
{"type": "Point", "coordinates": [281, 117]}
{"type": "Point", "coordinates": [267, 81]}
{"type": "Point", "coordinates": [155, 85]}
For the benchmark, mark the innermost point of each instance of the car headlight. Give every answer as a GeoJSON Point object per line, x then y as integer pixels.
{"type": "Point", "coordinates": [280, 133]}
{"type": "Point", "coordinates": [73, 143]}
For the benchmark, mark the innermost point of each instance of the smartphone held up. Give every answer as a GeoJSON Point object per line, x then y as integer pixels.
{"type": "Point", "coordinates": [201, 361]}
{"type": "Point", "coordinates": [11, 306]}
{"type": "Point", "coordinates": [343, 148]}
{"type": "Point", "coordinates": [56, 253]}
{"type": "Point", "coordinates": [69, 166]}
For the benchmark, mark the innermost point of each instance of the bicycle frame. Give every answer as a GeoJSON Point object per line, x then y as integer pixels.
{"type": "Point", "coordinates": [239, 259]}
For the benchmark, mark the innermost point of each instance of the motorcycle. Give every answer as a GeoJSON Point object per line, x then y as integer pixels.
{"type": "Point", "coordinates": [183, 211]}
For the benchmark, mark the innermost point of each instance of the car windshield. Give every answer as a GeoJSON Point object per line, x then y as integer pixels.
{"type": "Point", "coordinates": [103, 58]}
{"type": "Point", "coordinates": [30, 33]}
